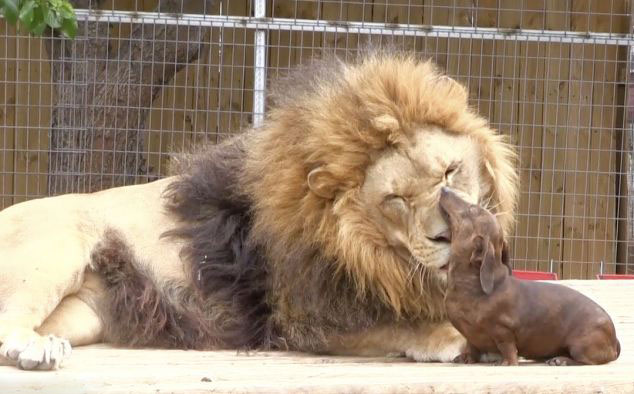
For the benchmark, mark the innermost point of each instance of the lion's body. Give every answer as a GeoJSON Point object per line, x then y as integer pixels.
{"type": "Point", "coordinates": [319, 231]}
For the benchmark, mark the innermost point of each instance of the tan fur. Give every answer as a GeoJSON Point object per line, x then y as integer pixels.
{"type": "Point", "coordinates": [45, 248]}
{"type": "Point", "coordinates": [423, 341]}
{"type": "Point", "coordinates": [346, 274]}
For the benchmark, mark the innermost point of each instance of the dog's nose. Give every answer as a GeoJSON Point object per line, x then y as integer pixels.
{"type": "Point", "coordinates": [444, 191]}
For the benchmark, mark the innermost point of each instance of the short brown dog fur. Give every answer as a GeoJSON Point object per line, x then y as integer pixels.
{"type": "Point", "coordinates": [498, 313]}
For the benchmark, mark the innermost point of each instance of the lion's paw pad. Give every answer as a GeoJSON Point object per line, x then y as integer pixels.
{"type": "Point", "coordinates": [465, 358]}
{"type": "Point", "coordinates": [47, 352]}
{"type": "Point", "coordinates": [560, 361]}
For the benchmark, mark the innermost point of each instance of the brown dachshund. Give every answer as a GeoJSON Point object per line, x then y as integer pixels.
{"type": "Point", "coordinates": [498, 313]}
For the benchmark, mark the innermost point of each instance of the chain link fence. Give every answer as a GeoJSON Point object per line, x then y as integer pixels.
{"type": "Point", "coordinates": [144, 80]}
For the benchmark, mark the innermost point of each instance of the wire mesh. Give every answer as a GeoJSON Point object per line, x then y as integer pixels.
{"type": "Point", "coordinates": [112, 106]}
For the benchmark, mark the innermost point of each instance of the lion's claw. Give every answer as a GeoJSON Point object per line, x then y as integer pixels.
{"type": "Point", "coordinates": [44, 353]}
{"type": "Point", "coordinates": [465, 358]}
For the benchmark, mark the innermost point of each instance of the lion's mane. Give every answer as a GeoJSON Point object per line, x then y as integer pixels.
{"type": "Point", "coordinates": [341, 115]}
{"type": "Point", "coordinates": [278, 264]}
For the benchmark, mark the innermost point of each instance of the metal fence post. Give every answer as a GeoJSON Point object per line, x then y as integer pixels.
{"type": "Point", "coordinates": [259, 69]}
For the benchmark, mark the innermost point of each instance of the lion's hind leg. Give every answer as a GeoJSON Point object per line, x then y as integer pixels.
{"type": "Point", "coordinates": [78, 318]}
{"type": "Point", "coordinates": [40, 264]}
{"type": "Point", "coordinates": [29, 292]}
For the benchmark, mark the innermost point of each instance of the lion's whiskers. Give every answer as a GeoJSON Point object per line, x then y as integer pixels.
{"type": "Point", "coordinates": [414, 268]}
{"type": "Point", "coordinates": [501, 213]}
{"type": "Point", "coordinates": [487, 203]}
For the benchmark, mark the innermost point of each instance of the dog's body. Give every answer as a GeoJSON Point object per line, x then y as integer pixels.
{"type": "Point", "coordinates": [499, 313]}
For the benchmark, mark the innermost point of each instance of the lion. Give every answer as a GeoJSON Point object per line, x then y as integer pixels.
{"type": "Point", "coordinates": [319, 231]}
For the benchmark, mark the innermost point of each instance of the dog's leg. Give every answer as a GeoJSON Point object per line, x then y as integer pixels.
{"type": "Point", "coordinates": [594, 345]}
{"type": "Point", "coordinates": [505, 342]}
{"type": "Point", "coordinates": [36, 275]}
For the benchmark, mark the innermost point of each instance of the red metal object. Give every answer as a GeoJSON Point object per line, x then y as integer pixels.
{"type": "Point", "coordinates": [614, 276]}
{"type": "Point", "coordinates": [535, 275]}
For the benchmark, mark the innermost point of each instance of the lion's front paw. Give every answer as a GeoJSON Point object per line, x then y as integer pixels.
{"type": "Point", "coordinates": [36, 352]}
{"type": "Point", "coordinates": [465, 358]}
{"type": "Point", "coordinates": [561, 361]}
{"type": "Point", "coordinates": [491, 358]}
{"type": "Point", "coordinates": [445, 351]}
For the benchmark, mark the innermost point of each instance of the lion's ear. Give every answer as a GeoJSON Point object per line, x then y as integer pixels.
{"type": "Point", "coordinates": [320, 182]}
{"type": "Point", "coordinates": [385, 123]}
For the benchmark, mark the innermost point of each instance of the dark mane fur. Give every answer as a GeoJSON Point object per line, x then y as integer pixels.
{"type": "Point", "coordinates": [226, 268]}
{"type": "Point", "coordinates": [138, 314]}
{"type": "Point", "coordinates": [226, 308]}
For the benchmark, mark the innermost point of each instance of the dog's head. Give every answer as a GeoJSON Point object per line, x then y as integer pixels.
{"type": "Point", "coordinates": [477, 240]}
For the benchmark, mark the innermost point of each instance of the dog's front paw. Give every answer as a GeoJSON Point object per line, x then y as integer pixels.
{"type": "Point", "coordinates": [36, 352]}
{"type": "Point", "coordinates": [506, 363]}
{"type": "Point", "coordinates": [465, 358]}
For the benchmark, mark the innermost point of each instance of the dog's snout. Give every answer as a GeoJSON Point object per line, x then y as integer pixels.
{"type": "Point", "coordinates": [447, 199]}
{"type": "Point", "coordinates": [444, 195]}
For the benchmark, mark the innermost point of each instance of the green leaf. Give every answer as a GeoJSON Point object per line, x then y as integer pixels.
{"type": "Point", "coordinates": [69, 27]}
{"type": "Point", "coordinates": [26, 13]}
{"type": "Point", "coordinates": [38, 27]}
{"type": "Point", "coordinates": [36, 15]}
{"type": "Point", "coordinates": [10, 10]}
{"type": "Point", "coordinates": [66, 11]}
{"type": "Point", "coordinates": [53, 19]}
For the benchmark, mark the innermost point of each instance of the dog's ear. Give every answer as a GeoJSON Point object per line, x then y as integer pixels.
{"type": "Point", "coordinates": [506, 258]}
{"type": "Point", "coordinates": [484, 256]}
{"type": "Point", "coordinates": [478, 250]}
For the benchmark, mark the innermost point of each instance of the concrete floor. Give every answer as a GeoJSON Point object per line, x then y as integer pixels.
{"type": "Point", "coordinates": [102, 369]}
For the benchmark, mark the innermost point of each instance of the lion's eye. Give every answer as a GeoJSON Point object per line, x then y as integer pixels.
{"type": "Point", "coordinates": [453, 167]}
{"type": "Point", "coordinates": [395, 198]}
{"type": "Point", "coordinates": [396, 201]}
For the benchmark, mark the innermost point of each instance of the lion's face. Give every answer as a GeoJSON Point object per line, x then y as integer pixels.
{"type": "Point", "coordinates": [401, 194]}
{"type": "Point", "coordinates": [348, 169]}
